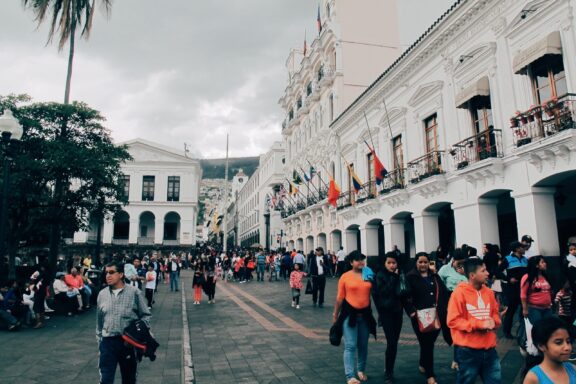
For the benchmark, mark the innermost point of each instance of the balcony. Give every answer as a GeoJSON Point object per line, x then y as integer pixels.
{"type": "Point", "coordinates": [394, 180]}
{"type": "Point", "coordinates": [120, 241]}
{"type": "Point", "coordinates": [345, 200]}
{"type": "Point", "coordinates": [171, 242]}
{"type": "Point", "coordinates": [484, 145]}
{"type": "Point", "coordinates": [328, 76]}
{"type": "Point", "coordinates": [430, 164]}
{"type": "Point", "coordinates": [367, 192]}
{"type": "Point", "coordinates": [543, 121]}
{"type": "Point", "coordinates": [143, 240]}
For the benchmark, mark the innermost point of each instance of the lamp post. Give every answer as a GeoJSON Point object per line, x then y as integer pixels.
{"type": "Point", "coordinates": [11, 131]}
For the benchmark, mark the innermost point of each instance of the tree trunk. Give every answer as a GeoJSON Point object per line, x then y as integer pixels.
{"type": "Point", "coordinates": [70, 61]}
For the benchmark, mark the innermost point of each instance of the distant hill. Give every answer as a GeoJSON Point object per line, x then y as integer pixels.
{"type": "Point", "coordinates": [215, 168]}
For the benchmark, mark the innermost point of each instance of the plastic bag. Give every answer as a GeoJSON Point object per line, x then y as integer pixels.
{"type": "Point", "coordinates": [530, 347]}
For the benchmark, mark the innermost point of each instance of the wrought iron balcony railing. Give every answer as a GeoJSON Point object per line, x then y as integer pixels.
{"type": "Point", "coordinates": [394, 180]}
{"type": "Point", "coordinates": [545, 120]}
{"type": "Point", "coordinates": [432, 163]}
{"type": "Point", "coordinates": [476, 148]}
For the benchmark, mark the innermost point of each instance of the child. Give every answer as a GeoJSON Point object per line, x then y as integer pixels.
{"type": "Point", "coordinates": [563, 302]}
{"type": "Point", "coordinates": [552, 338]}
{"type": "Point", "coordinates": [197, 284]}
{"type": "Point", "coordinates": [296, 285]}
{"type": "Point", "coordinates": [150, 285]}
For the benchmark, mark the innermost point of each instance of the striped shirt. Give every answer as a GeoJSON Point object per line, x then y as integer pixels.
{"type": "Point", "coordinates": [564, 302]}
{"type": "Point", "coordinates": [115, 312]}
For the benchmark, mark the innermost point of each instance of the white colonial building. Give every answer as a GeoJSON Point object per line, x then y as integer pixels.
{"type": "Point", "coordinates": [255, 219]}
{"type": "Point", "coordinates": [475, 123]}
{"type": "Point", "coordinates": [162, 185]}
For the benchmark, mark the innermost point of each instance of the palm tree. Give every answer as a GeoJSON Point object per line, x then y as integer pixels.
{"type": "Point", "coordinates": [66, 16]}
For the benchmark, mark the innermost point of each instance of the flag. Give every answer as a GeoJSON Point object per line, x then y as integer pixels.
{"type": "Point", "coordinates": [356, 183]}
{"type": "Point", "coordinates": [293, 189]}
{"type": "Point", "coordinates": [312, 172]}
{"type": "Point", "coordinates": [296, 177]}
{"type": "Point", "coordinates": [380, 171]}
{"type": "Point", "coordinates": [333, 192]}
{"type": "Point", "coordinates": [319, 21]}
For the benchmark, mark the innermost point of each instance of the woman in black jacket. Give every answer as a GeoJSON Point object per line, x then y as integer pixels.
{"type": "Point", "coordinates": [426, 291]}
{"type": "Point", "coordinates": [386, 295]}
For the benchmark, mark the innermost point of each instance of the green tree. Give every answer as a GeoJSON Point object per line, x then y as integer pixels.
{"type": "Point", "coordinates": [85, 155]}
{"type": "Point", "coordinates": [66, 18]}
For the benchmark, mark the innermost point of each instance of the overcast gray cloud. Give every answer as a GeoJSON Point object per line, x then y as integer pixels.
{"type": "Point", "coordinates": [179, 71]}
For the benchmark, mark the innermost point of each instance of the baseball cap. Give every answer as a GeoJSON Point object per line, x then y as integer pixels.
{"type": "Point", "coordinates": [527, 239]}
{"type": "Point", "coordinates": [515, 245]}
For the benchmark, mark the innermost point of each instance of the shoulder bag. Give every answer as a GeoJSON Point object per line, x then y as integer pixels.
{"type": "Point", "coordinates": [427, 318]}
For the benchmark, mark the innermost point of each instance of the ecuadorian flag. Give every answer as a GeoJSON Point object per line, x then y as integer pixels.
{"type": "Point", "coordinates": [356, 183]}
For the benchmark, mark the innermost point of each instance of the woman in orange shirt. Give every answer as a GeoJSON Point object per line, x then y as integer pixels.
{"type": "Point", "coordinates": [354, 314]}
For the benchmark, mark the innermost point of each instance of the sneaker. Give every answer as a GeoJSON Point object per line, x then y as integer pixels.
{"type": "Point", "coordinates": [14, 327]}
{"type": "Point", "coordinates": [46, 317]}
{"type": "Point", "coordinates": [293, 304]}
{"type": "Point", "coordinates": [454, 366]}
{"type": "Point", "coordinates": [48, 310]}
{"type": "Point", "coordinates": [297, 307]}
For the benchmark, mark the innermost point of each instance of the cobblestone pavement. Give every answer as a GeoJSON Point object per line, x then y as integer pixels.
{"type": "Point", "coordinates": [253, 335]}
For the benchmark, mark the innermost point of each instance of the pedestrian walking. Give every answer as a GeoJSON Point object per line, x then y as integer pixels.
{"type": "Point", "coordinates": [118, 306]}
{"type": "Point", "coordinates": [428, 296]}
{"type": "Point", "coordinates": [150, 285]}
{"type": "Point", "coordinates": [211, 277]}
{"type": "Point", "coordinates": [40, 283]}
{"type": "Point", "coordinates": [387, 298]}
{"type": "Point", "coordinates": [353, 313]}
{"type": "Point", "coordinates": [536, 293]}
{"type": "Point", "coordinates": [552, 337]}
{"type": "Point", "coordinates": [197, 283]}
{"type": "Point", "coordinates": [341, 262]}
{"type": "Point", "coordinates": [174, 269]}
{"type": "Point", "coordinates": [316, 269]}
{"type": "Point", "coordinates": [296, 285]}
{"type": "Point", "coordinates": [260, 265]}
{"type": "Point", "coordinates": [510, 271]}
{"type": "Point", "coordinates": [473, 319]}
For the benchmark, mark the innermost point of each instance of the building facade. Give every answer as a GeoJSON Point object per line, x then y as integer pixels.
{"type": "Point", "coordinates": [162, 186]}
{"type": "Point", "coordinates": [475, 123]}
{"type": "Point", "coordinates": [257, 219]}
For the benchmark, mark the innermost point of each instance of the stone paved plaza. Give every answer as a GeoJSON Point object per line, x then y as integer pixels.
{"type": "Point", "coordinates": [251, 335]}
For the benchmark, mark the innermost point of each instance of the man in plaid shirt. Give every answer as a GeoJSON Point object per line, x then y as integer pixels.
{"type": "Point", "coordinates": [118, 306]}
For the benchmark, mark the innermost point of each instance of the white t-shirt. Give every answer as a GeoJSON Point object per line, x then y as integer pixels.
{"type": "Point", "coordinates": [320, 265]}
{"type": "Point", "coordinates": [152, 283]}
{"type": "Point", "coordinates": [341, 255]}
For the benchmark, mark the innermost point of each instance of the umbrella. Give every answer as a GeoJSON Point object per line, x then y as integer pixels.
{"type": "Point", "coordinates": [256, 245]}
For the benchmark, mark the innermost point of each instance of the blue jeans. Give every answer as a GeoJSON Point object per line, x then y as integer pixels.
{"type": "Point", "coordinates": [174, 280]}
{"type": "Point", "coordinates": [478, 362]}
{"type": "Point", "coordinates": [355, 338]}
{"type": "Point", "coordinates": [113, 352]}
{"type": "Point", "coordinates": [535, 314]}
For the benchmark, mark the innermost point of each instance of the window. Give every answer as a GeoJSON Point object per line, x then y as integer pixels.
{"type": "Point", "coordinates": [173, 188]}
{"type": "Point", "coordinates": [431, 133]}
{"type": "Point", "coordinates": [398, 152]}
{"type": "Point", "coordinates": [309, 89]}
{"type": "Point", "coordinates": [299, 103]}
{"type": "Point", "coordinates": [370, 167]}
{"type": "Point", "coordinates": [481, 114]}
{"type": "Point", "coordinates": [548, 78]}
{"type": "Point", "coordinates": [148, 188]}
{"type": "Point", "coordinates": [350, 187]}
{"type": "Point", "coordinates": [320, 73]}
{"type": "Point", "coordinates": [125, 182]}
{"type": "Point", "coordinates": [331, 107]}
{"type": "Point", "coordinates": [290, 115]}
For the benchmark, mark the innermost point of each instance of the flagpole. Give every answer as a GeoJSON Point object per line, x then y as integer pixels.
{"type": "Point", "coordinates": [369, 132]}
{"type": "Point", "coordinates": [308, 181]}
{"type": "Point", "coordinates": [391, 134]}
{"type": "Point", "coordinates": [323, 182]}
{"type": "Point", "coordinates": [225, 227]}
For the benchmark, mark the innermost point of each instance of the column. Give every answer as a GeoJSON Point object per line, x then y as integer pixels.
{"type": "Point", "coordinates": [349, 241]}
{"type": "Point", "coordinates": [107, 231]}
{"type": "Point", "coordinates": [159, 231]}
{"type": "Point", "coordinates": [187, 233]}
{"type": "Point", "coordinates": [394, 234]}
{"type": "Point", "coordinates": [369, 240]}
{"type": "Point", "coordinates": [426, 232]}
{"type": "Point", "coordinates": [336, 240]}
{"type": "Point", "coordinates": [477, 223]}
{"type": "Point", "coordinates": [309, 244]}
{"type": "Point", "coordinates": [133, 231]}
{"type": "Point", "coordinates": [536, 216]}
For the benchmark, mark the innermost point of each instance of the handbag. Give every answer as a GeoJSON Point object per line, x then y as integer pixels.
{"type": "Point", "coordinates": [427, 318]}
{"type": "Point", "coordinates": [335, 334]}
{"type": "Point", "coordinates": [309, 289]}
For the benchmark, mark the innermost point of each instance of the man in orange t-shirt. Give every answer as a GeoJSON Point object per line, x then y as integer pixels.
{"type": "Point", "coordinates": [473, 319]}
{"type": "Point", "coordinates": [74, 280]}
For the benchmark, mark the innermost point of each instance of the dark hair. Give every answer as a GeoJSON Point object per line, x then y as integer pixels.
{"type": "Point", "coordinates": [119, 266]}
{"type": "Point", "coordinates": [544, 328]}
{"type": "Point", "coordinates": [390, 255]}
{"type": "Point", "coordinates": [420, 254]}
{"type": "Point", "coordinates": [459, 254]}
{"type": "Point", "coordinates": [471, 265]}
{"type": "Point", "coordinates": [355, 256]}
{"type": "Point", "coordinates": [533, 271]}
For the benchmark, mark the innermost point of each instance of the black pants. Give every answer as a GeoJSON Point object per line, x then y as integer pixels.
{"type": "Point", "coordinates": [210, 287]}
{"type": "Point", "coordinates": [113, 352]}
{"type": "Point", "coordinates": [150, 296]}
{"type": "Point", "coordinates": [513, 299]}
{"type": "Point", "coordinates": [340, 268]}
{"type": "Point", "coordinates": [318, 285]}
{"type": "Point", "coordinates": [426, 342]}
{"type": "Point", "coordinates": [392, 325]}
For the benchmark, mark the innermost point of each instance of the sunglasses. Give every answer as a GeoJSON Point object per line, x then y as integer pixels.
{"type": "Point", "coordinates": [111, 272]}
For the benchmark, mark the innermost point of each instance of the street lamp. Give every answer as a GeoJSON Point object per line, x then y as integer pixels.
{"type": "Point", "coordinates": [11, 131]}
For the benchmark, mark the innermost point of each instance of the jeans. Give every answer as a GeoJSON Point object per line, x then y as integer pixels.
{"type": "Point", "coordinates": [7, 318]}
{"type": "Point", "coordinates": [392, 325]}
{"type": "Point", "coordinates": [478, 362]}
{"type": "Point", "coordinates": [355, 338]}
{"type": "Point", "coordinates": [174, 280]}
{"type": "Point", "coordinates": [426, 342]}
{"type": "Point", "coordinates": [535, 314]}
{"type": "Point", "coordinates": [113, 352]}
{"type": "Point", "coordinates": [513, 299]}
{"type": "Point", "coordinates": [318, 285]}
{"type": "Point", "coordinates": [260, 272]}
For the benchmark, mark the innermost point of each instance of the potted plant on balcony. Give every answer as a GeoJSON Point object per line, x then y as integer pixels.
{"type": "Point", "coordinates": [550, 106]}
{"type": "Point", "coordinates": [513, 122]}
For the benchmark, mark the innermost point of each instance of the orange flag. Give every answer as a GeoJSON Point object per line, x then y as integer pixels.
{"type": "Point", "coordinates": [333, 192]}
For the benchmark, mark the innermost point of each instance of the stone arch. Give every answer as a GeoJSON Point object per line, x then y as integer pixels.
{"type": "Point", "coordinates": [121, 229]}
{"type": "Point", "coordinates": [172, 226]}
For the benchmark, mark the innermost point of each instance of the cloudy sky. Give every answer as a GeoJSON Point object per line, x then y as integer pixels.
{"type": "Point", "coordinates": [179, 71]}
